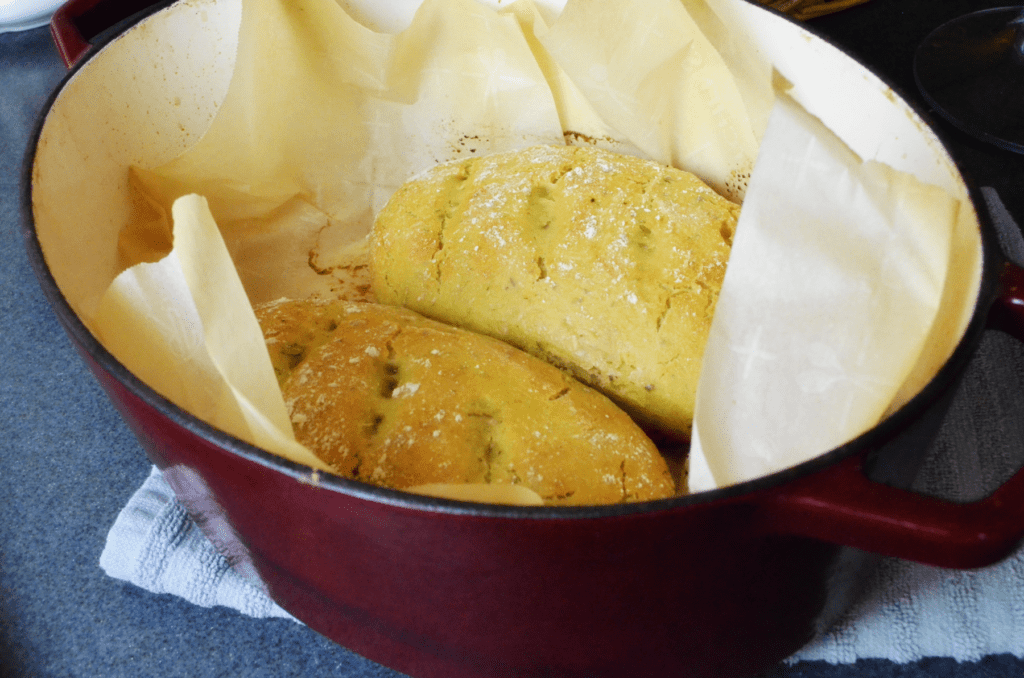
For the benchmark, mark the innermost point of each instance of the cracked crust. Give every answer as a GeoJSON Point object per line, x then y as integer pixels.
{"type": "Point", "coordinates": [389, 397]}
{"type": "Point", "coordinates": [605, 265]}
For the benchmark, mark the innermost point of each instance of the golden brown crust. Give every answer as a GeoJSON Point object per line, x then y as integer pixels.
{"type": "Point", "coordinates": [292, 331]}
{"type": "Point", "coordinates": [391, 398]}
{"type": "Point", "coordinates": [603, 264]}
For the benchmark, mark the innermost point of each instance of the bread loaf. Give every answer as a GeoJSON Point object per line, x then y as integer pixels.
{"type": "Point", "coordinates": [606, 265]}
{"type": "Point", "coordinates": [389, 397]}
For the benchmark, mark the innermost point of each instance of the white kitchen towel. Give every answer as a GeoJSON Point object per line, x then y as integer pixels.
{"type": "Point", "coordinates": [155, 545]}
{"type": "Point", "coordinates": [913, 611]}
{"type": "Point", "coordinates": [908, 611]}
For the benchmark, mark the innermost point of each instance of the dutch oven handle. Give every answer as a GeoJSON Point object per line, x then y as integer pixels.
{"type": "Point", "coordinates": [840, 505]}
{"type": "Point", "coordinates": [77, 22]}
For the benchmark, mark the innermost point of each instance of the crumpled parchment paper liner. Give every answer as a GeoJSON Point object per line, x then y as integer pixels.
{"type": "Point", "coordinates": [294, 174]}
{"type": "Point", "coordinates": [184, 326]}
{"type": "Point", "coordinates": [363, 111]}
{"type": "Point", "coordinates": [324, 111]}
{"type": "Point", "coordinates": [823, 313]}
{"type": "Point", "coordinates": [657, 82]}
{"type": "Point", "coordinates": [323, 119]}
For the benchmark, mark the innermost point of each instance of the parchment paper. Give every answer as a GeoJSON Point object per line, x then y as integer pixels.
{"type": "Point", "coordinates": [184, 326]}
{"type": "Point", "coordinates": [325, 117]}
{"type": "Point", "coordinates": [823, 313]}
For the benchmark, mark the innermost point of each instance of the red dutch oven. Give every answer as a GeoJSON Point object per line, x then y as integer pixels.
{"type": "Point", "coordinates": [720, 583]}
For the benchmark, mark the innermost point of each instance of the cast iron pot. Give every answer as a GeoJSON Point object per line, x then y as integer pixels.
{"type": "Point", "coordinates": [722, 583]}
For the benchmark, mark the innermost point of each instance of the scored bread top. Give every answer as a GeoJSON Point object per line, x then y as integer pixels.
{"type": "Point", "coordinates": [606, 265]}
{"type": "Point", "coordinates": [389, 397]}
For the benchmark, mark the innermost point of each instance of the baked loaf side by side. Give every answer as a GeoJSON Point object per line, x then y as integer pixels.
{"type": "Point", "coordinates": [391, 398]}
{"type": "Point", "coordinates": [606, 265]}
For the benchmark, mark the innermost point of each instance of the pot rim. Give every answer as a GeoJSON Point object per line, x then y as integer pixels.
{"type": "Point", "coordinates": [991, 261]}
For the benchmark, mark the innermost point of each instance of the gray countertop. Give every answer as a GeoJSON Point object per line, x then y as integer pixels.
{"type": "Point", "coordinates": [68, 463]}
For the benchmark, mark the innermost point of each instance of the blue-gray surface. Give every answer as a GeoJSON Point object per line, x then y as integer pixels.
{"type": "Point", "coordinates": [68, 464]}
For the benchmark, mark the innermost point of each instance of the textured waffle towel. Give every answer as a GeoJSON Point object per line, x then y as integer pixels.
{"type": "Point", "coordinates": [909, 611]}
{"type": "Point", "coordinates": [154, 544]}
